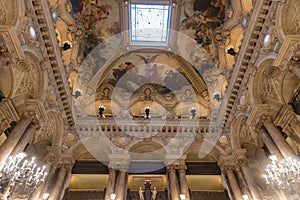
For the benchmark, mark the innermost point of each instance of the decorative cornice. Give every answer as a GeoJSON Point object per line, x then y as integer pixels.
{"type": "Point", "coordinates": [246, 52]}
{"type": "Point", "coordinates": [49, 35]}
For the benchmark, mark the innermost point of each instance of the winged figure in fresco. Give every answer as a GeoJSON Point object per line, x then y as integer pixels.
{"type": "Point", "coordinates": [150, 67]}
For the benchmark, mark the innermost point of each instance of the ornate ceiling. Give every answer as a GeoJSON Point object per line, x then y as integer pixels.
{"type": "Point", "coordinates": [192, 71]}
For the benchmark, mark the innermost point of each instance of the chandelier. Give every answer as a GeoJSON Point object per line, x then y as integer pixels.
{"type": "Point", "coordinates": [21, 173]}
{"type": "Point", "coordinates": [282, 174]}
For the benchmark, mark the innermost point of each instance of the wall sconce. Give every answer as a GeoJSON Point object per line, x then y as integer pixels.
{"type": "Point", "coordinates": [174, 3]}
{"type": "Point", "coordinates": [147, 111]}
{"type": "Point", "coordinates": [101, 110]}
{"type": "Point", "coordinates": [182, 196]}
{"type": "Point", "coordinates": [67, 45]}
{"type": "Point", "coordinates": [193, 112]}
{"type": "Point", "coordinates": [113, 196]}
{"type": "Point", "coordinates": [45, 196]}
{"type": "Point", "coordinates": [231, 51]}
{"type": "Point", "coordinates": [77, 94]}
{"type": "Point", "coordinates": [245, 197]}
{"type": "Point", "coordinates": [217, 96]}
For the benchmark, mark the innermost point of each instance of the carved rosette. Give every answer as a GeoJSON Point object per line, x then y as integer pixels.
{"type": "Point", "coordinates": [23, 66]}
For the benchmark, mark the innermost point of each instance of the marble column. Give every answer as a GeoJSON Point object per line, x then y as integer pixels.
{"type": "Point", "coordinates": [278, 139]}
{"type": "Point", "coordinates": [121, 185]}
{"type": "Point", "coordinates": [110, 189]}
{"type": "Point", "coordinates": [56, 191]}
{"type": "Point", "coordinates": [13, 138]}
{"type": "Point", "coordinates": [264, 135]}
{"type": "Point", "coordinates": [25, 139]}
{"type": "Point", "coordinates": [225, 183]}
{"type": "Point", "coordinates": [173, 183]}
{"type": "Point", "coordinates": [66, 182]}
{"type": "Point", "coordinates": [234, 184]}
{"type": "Point", "coordinates": [251, 184]}
{"type": "Point", "coordinates": [242, 182]}
{"type": "Point", "coordinates": [184, 188]}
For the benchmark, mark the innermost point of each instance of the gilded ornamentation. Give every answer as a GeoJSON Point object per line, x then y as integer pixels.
{"type": "Point", "coordinates": [269, 86]}
{"type": "Point", "coordinates": [291, 17]}
{"type": "Point", "coordinates": [5, 56]}
{"type": "Point", "coordinates": [2, 13]}
{"type": "Point", "coordinates": [246, 135]}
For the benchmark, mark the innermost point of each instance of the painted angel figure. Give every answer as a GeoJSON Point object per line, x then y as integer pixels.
{"type": "Point", "coordinates": [150, 67]}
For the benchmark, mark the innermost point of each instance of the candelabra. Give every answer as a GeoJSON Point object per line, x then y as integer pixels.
{"type": "Point", "coordinates": [282, 174]}
{"type": "Point", "coordinates": [193, 112]}
{"type": "Point", "coordinates": [101, 110]}
{"type": "Point", "coordinates": [20, 173]}
{"type": "Point", "coordinates": [147, 111]}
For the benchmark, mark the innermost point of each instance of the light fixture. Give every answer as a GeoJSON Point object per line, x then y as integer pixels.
{"type": "Point", "coordinates": [217, 96]}
{"type": "Point", "coordinates": [21, 172]}
{"type": "Point", "coordinates": [101, 111]}
{"type": "Point", "coordinates": [66, 46]}
{"type": "Point", "coordinates": [231, 51]}
{"type": "Point", "coordinates": [54, 15]}
{"type": "Point", "coordinates": [77, 93]}
{"type": "Point", "coordinates": [245, 197]}
{"type": "Point", "coordinates": [46, 195]}
{"type": "Point", "coordinates": [174, 3]}
{"type": "Point", "coordinates": [182, 196]}
{"type": "Point", "coordinates": [113, 196]}
{"type": "Point", "coordinates": [283, 174]}
{"type": "Point", "coordinates": [193, 112]}
{"type": "Point", "coordinates": [147, 111]}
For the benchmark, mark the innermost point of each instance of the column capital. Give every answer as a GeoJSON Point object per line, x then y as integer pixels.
{"type": "Point", "coordinates": [236, 158]}
{"type": "Point", "coordinates": [171, 168]}
{"type": "Point", "coordinates": [66, 162]}
{"type": "Point", "coordinates": [35, 110]}
{"type": "Point", "coordinates": [226, 163]}
{"type": "Point", "coordinates": [182, 168]}
{"type": "Point", "coordinates": [289, 122]}
{"type": "Point", "coordinates": [259, 113]}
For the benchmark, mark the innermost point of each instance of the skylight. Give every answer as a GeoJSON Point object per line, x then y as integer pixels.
{"type": "Point", "coordinates": [149, 24]}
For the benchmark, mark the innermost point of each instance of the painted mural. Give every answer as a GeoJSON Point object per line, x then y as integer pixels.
{"type": "Point", "coordinates": [200, 18]}
{"type": "Point", "coordinates": [137, 69]}
{"type": "Point", "coordinates": [100, 19]}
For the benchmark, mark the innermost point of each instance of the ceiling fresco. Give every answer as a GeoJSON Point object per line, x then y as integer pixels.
{"type": "Point", "coordinates": [100, 20]}
{"type": "Point", "coordinates": [106, 65]}
{"type": "Point", "coordinates": [158, 70]}
{"type": "Point", "coordinates": [200, 18]}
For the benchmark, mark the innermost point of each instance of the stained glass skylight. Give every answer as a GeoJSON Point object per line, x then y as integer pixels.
{"type": "Point", "coordinates": [149, 24]}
